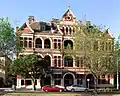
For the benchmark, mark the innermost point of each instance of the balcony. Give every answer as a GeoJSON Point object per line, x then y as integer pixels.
{"type": "Point", "coordinates": [45, 50]}
{"type": "Point", "coordinates": [70, 69]}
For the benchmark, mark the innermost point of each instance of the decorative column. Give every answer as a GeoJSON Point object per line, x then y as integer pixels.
{"type": "Point", "coordinates": [33, 42]}
{"type": "Point", "coordinates": [38, 86]}
{"type": "Point", "coordinates": [18, 82]}
{"type": "Point", "coordinates": [61, 61]}
{"type": "Point", "coordinates": [51, 43]}
{"type": "Point", "coordinates": [42, 44]}
{"type": "Point", "coordinates": [52, 81]}
{"type": "Point", "coordinates": [25, 83]}
{"type": "Point", "coordinates": [68, 30]}
{"type": "Point", "coordinates": [62, 81]}
{"type": "Point", "coordinates": [75, 81]}
{"type": "Point", "coordinates": [65, 29]}
{"type": "Point", "coordinates": [111, 79]}
{"type": "Point", "coordinates": [73, 61]}
{"type": "Point", "coordinates": [84, 81]}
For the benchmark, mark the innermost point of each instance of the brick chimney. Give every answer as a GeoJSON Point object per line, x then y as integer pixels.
{"type": "Point", "coordinates": [17, 29]}
{"type": "Point", "coordinates": [31, 19]}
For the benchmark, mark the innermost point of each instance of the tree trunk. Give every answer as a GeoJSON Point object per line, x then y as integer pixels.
{"type": "Point", "coordinates": [95, 84]}
{"type": "Point", "coordinates": [41, 82]}
{"type": "Point", "coordinates": [95, 81]}
{"type": "Point", "coordinates": [33, 83]}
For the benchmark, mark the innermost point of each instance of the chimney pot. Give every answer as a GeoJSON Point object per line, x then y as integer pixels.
{"type": "Point", "coordinates": [31, 19]}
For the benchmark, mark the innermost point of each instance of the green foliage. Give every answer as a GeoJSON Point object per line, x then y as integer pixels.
{"type": "Point", "coordinates": [2, 64]}
{"type": "Point", "coordinates": [18, 48]}
{"type": "Point", "coordinates": [7, 37]}
{"type": "Point", "coordinates": [91, 43]}
{"type": "Point", "coordinates": [19, 67]}
{"type": "Point", "coordinates": [29, 66]}
{"type": "Point", "coordinates": [117, 53]}
{"type": "Point", "coordinates": [88, 44]}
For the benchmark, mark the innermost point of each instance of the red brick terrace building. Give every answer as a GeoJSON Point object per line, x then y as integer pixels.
{"type": "Point", "coordinates": [46, 39]}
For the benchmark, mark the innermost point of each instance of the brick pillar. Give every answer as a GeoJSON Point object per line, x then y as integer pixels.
{"type": "Point", "coordinates": [18, 82]}
{"type": "Point", "coordinates": [42, 44]}
{"type": "Point", "coordinates": [106, 77]}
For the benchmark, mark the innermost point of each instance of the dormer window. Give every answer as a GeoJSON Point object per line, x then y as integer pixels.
{"type": "Point", "coordinates": [42, 27]}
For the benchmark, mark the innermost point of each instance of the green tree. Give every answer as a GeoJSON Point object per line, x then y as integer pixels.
{"type": "Point", "coordinates": [2, 67]}
{"type": "Point", "coordinates": [9, 41]}
{"type": "Point", "coordinates": [18, 44]}
{"type": "Point", "coordinates": [30, 66]}
{"type": "Point", "coordinates": [117, 53]}
{"type": "Point", "coordinates": [90, 43]}
{"type": "Point", "coordinates": [7, 37]}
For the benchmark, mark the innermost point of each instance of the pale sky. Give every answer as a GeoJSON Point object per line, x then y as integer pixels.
{"type": "Point", "coordinates": [99, 12]}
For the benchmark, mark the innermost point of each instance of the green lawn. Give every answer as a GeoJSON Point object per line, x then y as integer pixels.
{"type": "Point", "coordinates": [40, 94]}
{"type": "Point", "coordinates": [50, 94]}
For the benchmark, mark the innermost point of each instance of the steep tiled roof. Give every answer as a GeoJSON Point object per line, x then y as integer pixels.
{"type": "Point", "coordinates": [108, 34]}
{"type": "Point", "coordinates": [69, 12]}
{"type": "Point", "coordinates": [35, 26]}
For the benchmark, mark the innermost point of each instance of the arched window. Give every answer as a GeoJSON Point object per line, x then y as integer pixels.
{"type": "Point", "coordinates": [47, 43]}
{"type": "Point", "coordinates": [73, 30]}
{"type": "Point", "coordinates": [109, 46]}
{"type": "Point", "coordinates": [68, 61]}
{"type": "Point", "coordinates": [38, 43]}
{"type": "Point", "coordinates": [68, 44]}
{"type": "Point", "coordinates": [21, 42]}
{"type": "Point", "coordinates": [66, 30]}
{"type": "Point", "coordinates": [63, 29]}
{"type": "Point", "coordinates": [25, 42]}
{"type": "Point", "coordinates": [47, 60]}
{"type": "Point", "coordinates": [30, 44]}
{"type": "Point", "coordinates": [57, 43]}
{"type": "Point", "coordinates": [70, 30]}
{"type": "Point", "coordinates": [55, 61]}
{"type": "Point", "coordinates": [79, 61]}
{"type": "Point", "coordinates": [95, 45]}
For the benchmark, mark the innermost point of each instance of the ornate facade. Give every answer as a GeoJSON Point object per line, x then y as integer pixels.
{"type": "Point", "coordinates": [46, 39]}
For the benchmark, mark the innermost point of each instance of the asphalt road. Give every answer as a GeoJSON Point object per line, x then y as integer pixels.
{"type": "Point", "coordinates": [4, 91]}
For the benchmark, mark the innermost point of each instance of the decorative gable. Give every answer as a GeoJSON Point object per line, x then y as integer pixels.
{"type": "Point", "coordinates": [108, 34]}
{"type": "Point", "coordinates": [68, 16]}
{"type": "Point", "coordinates": [25, 28]}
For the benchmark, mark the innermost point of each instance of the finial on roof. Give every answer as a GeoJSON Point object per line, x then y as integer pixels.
{"type": "Point", "coordinates": [68, 7]}
{"type": "Point", "coordinates": [106, 29]}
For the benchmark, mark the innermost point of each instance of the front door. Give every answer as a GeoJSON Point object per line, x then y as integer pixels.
{"type": "Point", "coordinates": [46, 80]}
{"type": "Point", "coordinates": [68, 80]}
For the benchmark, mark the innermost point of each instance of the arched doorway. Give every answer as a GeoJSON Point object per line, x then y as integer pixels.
{"type": "Point", "coordinates": [1, 82]}
{"type": "Point", "coordinates": [68, 79]}
{"type": "Point", "coordinates": [90, 80]}
{"type": "Point", "coordinates": [46, 80]}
